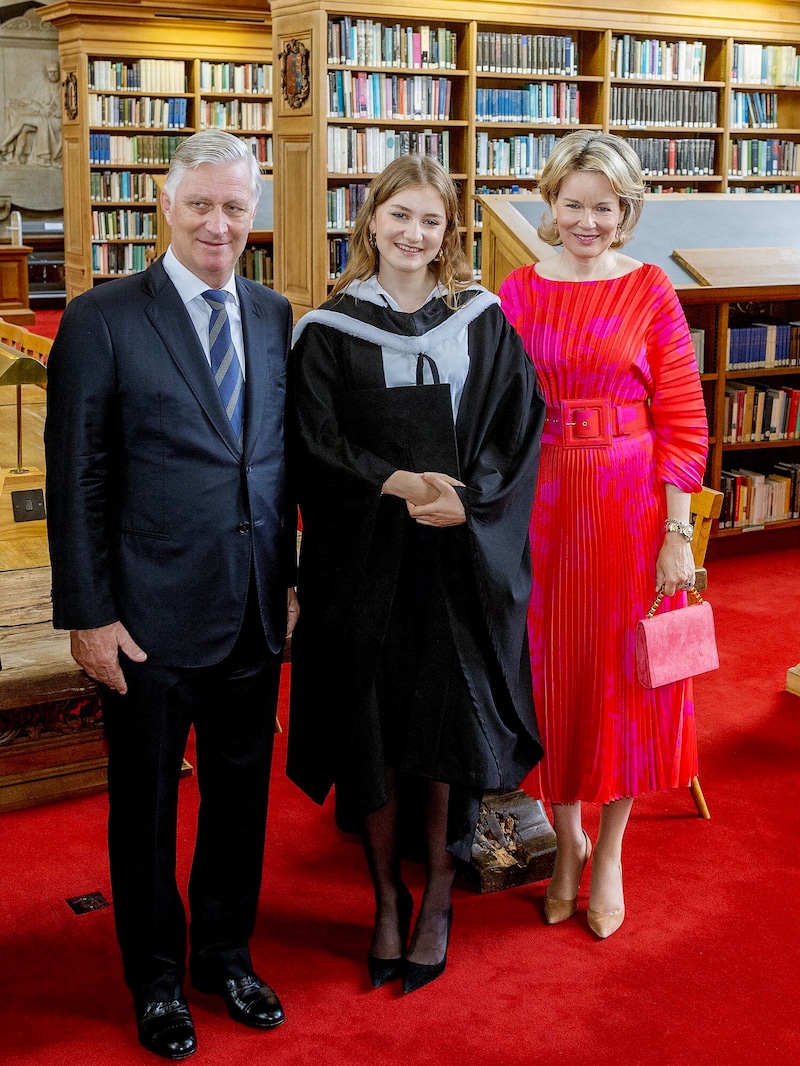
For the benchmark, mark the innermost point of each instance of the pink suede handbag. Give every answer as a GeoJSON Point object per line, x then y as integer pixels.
{"type": "Point", "coordinates": [676, 645]}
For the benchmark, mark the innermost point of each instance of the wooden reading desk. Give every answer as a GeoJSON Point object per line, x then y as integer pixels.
{"type": "Point", "coordinates": [46, 754]}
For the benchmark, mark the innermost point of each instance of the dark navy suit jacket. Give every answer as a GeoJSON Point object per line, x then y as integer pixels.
{"type": "Point", "coordinates": [155, 519]}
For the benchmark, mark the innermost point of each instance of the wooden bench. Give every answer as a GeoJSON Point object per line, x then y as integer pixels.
{"type": "Point", "coordinates": [51, 743]}
{"type": "Point", "coordinates": [51, 746]}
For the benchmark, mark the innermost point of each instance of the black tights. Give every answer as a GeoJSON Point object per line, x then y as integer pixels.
{"type": "Point", "coordinates": [382, 846]}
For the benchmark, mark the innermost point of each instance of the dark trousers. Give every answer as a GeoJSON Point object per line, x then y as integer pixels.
{"type": "Point", "coordinates": [232, 706]}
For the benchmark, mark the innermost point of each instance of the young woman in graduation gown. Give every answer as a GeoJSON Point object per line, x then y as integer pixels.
{"type": "Point", "coordinates": [416, 431]}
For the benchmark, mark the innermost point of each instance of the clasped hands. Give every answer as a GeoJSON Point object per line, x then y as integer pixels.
{"type": "Point", "coordinates": [431, 498]}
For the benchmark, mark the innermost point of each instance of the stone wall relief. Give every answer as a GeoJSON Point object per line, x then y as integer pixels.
{"type": "Point", "coordinates": [30, 114]}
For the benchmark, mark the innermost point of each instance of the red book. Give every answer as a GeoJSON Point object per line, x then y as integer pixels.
{"type": "Point", "coordinates": [793, 402]}
{"type": "Point", "coordinates": [416, 45]}
{"type": "Point", "coordinates": [361, 95]}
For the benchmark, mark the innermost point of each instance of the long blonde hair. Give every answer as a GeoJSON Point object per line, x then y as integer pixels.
{"type": "Point", "coordinates": [450, 268]}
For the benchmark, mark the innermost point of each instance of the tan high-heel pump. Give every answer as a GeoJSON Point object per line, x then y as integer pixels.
{"type": "Point", "coordinates": [604, 923]}
{"type": "Point", "coordinates": [558, 910]}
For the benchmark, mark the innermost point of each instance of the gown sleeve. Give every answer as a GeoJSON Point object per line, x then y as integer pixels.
{"type": "Point", "coordinates": [334, 470]}
{"type": "Point", "coordinates": [676, 406]}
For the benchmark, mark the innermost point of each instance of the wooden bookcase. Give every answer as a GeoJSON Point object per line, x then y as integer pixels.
{"type": "Point", "coordinates": [115, 61]}
{"type": "Point", "coordinates": [303, 123]}
{"type": "Point", "coordinates": [732, 226]}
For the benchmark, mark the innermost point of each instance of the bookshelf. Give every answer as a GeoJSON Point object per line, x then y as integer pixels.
{"type": "Point", "coordinates": [390, 90]}
{"type": "Point", "coordinates": [669, 81]}
{"type": "Point", "coordinates": [137, 81]}
{"type": "Point", "coordinates": [764, 116]}
{"type": "Point", "coordinates": [718, 296]}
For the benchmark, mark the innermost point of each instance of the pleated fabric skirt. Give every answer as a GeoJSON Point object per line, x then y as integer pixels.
{"type": "Point", "coordinates": [596, 530]}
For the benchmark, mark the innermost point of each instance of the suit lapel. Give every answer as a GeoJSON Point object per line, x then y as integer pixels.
{"type": "Point", "coordinates": [256, 370]}
{"type": "Point", "coordinates": [170, 318]}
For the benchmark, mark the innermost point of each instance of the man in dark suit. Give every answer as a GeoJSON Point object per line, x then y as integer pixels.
{"type": "Point", "coordinates": [173, 552]}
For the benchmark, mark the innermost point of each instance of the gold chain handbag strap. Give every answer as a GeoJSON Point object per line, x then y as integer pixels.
{"type": "Point", "coordinates": [656, 602]}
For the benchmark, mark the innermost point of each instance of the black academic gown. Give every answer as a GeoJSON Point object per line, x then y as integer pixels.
{"type": "Point", "coordinates": [352, 555]}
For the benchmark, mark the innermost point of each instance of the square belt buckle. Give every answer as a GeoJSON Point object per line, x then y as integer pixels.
{"type": "Point", "coordinates": [586, 423]}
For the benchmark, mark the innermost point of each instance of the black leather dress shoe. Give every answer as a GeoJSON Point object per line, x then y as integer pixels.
{"type": "Point", "coordinates": [167, 1029]}
{"type": "Point", "coordinates": [249, 1001]}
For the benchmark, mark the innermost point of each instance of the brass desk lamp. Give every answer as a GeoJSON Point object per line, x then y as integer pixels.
{"type": "Point", "coordinates": [19, 369]}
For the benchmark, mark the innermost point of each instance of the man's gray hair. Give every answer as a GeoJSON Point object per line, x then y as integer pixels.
{"type": "Point", "coordinates": [215, 147]}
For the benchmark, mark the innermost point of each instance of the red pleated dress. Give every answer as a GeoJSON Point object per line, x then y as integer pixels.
{"type": "Point", "coordinates": [597, 527]}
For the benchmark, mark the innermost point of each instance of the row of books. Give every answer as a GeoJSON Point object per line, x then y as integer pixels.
{"type": "Point", "coordinates": [121, 258]}
{"type": "Point", "coordinates": [659, 60]}
{"type": "Point", "coordinates": [699, 344]}
{"type": "Point", "coordinates": [369, 150]}
{"type": "Point", "coordinates": [364, 42]}
{"type": "Point", "coordinates": [668, 156]}
{"type": "Point", "coordinates": [527, 53]}
{"type": "Point", "coordinates": [520, 157]}
{"type": "Point", "coordinates": [751, 499]}
{"type": "Point", "coordinates": [763, 345]}
{"type": "Point", "coordinates": [642, 106]}
{"type": "Point", "coordinates": [260, 144]}
{"type": "Point", "coordinates": [257, 264]}
{"type": "Point", "coordinates": [338, 250]}
{"type": "Point", "coordinates": [344, 202]}
{"type": "Point", "coordinates": [558, 103]}
{"type": "Point", "coordinates": [359, 94]}
{"type": "Point", "coordinates": [149, 75]}
{"type": "Point", "coordinates": [122, 186]}
{"type": "Point", "coordinates": [496, 190]}
{"type": "Point", "coordinates": [235, 77]}
{"type": "Point", "coordinates": [123, 225]}
{"type": "Point", "coordinates": [236, 114]}
{"type": "Point", "coordinates": [753, 155]}
{"type": "Point", "coordinates": [755, 411]}
{"type": "Point", "coordinates": [765, 64]}
{"type": "Point", "coordinates": [477, 253]}
{"type": "Point", "coordinates": [758, 111]}
{"type": "Point", "coordinates": [141, 148]}
{"type": "Point", "coordinates": [778, 188]}
{"type": "Point", "coordinates": [146, 112]}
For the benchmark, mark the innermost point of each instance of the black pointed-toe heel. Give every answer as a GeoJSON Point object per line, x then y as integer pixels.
{"type": "Point", "coordinates": [382, 971]}
{"type": "Point", "coordinates": [417, 974]}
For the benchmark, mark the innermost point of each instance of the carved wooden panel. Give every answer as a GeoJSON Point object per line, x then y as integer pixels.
{"type": "Point", "coordinates": [295, 254]}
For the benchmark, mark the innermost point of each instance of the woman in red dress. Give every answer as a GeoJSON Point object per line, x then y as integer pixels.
{"type": "Point", "coordinates": [624, 447]}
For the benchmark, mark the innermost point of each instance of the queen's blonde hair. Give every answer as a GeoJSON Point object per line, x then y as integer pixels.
{"type": "Point", "coordinates": [603, 153]}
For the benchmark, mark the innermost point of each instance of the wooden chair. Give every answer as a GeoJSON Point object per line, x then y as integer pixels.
{"type": "Point", "coordinates": [705, 507]}
{"type": "Point", "coordinates": [12, 334]}
{"type": "Point", "coordinates": [36, 345]}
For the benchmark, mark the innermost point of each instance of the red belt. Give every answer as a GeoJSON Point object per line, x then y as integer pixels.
{"type": "Point", "coordinates": [594, 423]}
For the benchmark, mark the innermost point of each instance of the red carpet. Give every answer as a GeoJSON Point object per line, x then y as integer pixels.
{"type": "Point", "coordinates": [46, 324]}
{"type": "Point", "coordinates": [703, 972]}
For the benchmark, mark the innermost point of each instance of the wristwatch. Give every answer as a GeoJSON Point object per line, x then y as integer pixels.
{"type": "Point", "coordinates": [672, 525]}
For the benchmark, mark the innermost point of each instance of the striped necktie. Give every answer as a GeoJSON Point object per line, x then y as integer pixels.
{"type": "Point", "coordinates": [225, 364]}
